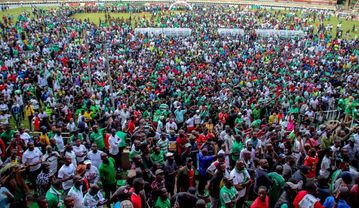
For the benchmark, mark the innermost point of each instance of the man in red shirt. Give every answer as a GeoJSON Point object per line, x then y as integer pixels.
{"type": "Point", "coordinates": [311, 160]}
{"type": "Point", "coordinates": [136, 198]}
{"type": "Point", "coordinates": [262, 201]}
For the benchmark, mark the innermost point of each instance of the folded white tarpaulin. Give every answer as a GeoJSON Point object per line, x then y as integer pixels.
{"type": "Point", "coordinates": [280, 33]}
{"type": "Point", "coordinates": [230, 32]}
{"type": "Point", "coordinates": [164, 31]}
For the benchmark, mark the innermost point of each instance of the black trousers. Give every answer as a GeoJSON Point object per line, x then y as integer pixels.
{"type": "Point", "coordinates": [202, 184]}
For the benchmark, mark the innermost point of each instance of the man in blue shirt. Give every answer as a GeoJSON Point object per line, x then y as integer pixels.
{"type": "Point", "coordinates": [204, 161]}
{"type": "Point", "coordinates": [179, 114]}
{"type": "Point", "coordinates": [340, 201]}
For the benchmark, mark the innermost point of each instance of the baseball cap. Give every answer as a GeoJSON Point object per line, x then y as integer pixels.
{"type": "Point", "coordinates": [159, 171]}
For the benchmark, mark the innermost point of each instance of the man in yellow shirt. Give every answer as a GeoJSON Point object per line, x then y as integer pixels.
{"type": "Point", "coordinates": [29, 113]}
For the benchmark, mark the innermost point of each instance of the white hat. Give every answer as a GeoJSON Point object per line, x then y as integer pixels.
{"type": "Point", "coordinates": [169, 154]}
{"type": "Point", "coordinates": [86, 162]}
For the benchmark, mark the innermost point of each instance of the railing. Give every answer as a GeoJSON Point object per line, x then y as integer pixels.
{"type": "Point", "coordinates": [325, 5]}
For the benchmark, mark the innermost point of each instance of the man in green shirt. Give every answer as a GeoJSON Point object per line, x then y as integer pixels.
{"type": "Point", "coordinates": [278, 183]}
{"type": "Point", "coordinates": [163, 201]}
{"type": "Point", "coordinates": [136, 151]}
{"type": "Point", "coordinates": [228, 195]}
{"type": "Point", "coordinates": [157, 156]}
{"type": "Point", "coordinates": [54, 195]}
{"type": "Point", "coordinates": [236, 148]}
{"type": "Point", "coordinates": [7, 135]}
{"type": "Point", "coordinates": [107, 172]}
{"type": "Point", "coordinates": [97, 137]}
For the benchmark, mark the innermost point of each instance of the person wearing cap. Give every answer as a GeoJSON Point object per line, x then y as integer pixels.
{"type": "Point", "coordinates": [157, 184]}
{"type": "Point", "coordinates": [228, 194]}
{"type": "Point", "coordinates": [76, 191]}
{"type": "Point", "coordinates": [91, 173]}
{"type": "Point", "coordinates": [185, 177]}
{"type": "Point", "coordinates": [170, 170]}
{"type": "Point", "coordinates": [352, 148]}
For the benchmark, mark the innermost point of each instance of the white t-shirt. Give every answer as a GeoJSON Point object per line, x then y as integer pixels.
{"type": "Point", "coordinates": [32, 157]}
{"type": "Point", "coordinates": [52, 159]}
{"type": "Point", "coordinates": [114, 141]}
{"type": "Point", "coordinates": [79, 150]}
{"type": "Point", "coordinates": [92, 175]}
{"type": "Point", "coordinates": [25, 137]}
{"type": "Point", "coordinates": [95, 158]}
{"type": "Point", "coordinates": [238, 178]}
{"type": "Point", "coordinates": [4, 119]}
{"type": "Point", "coordinates": [78, 196]}
{"type": "Point", "coordinates": [92, 201]}
{"type": "Point", "coordinates": [324, 166]}
{"type": "Point", "coordinates": [73, 157]}
{"type": "Point", "coordinates": [60, 143]}
{"type": "Point", "coordinates": [65, 172]}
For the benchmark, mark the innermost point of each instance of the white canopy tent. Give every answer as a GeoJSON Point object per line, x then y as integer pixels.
{"type": "Point", "coordinates": [175, 32]}
{"type": "Point", "coordinates": [280, 33]}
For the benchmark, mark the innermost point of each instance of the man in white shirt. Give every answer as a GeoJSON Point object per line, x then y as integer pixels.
{"type": "Point", "coordinates": [114, 150]}
{"type": "Point", "coordinates": [32, 159]}
{"type": "Point", "coordinates": [94, 198]}
{"type": "Point", "coordinates": [71, 126]}
{"type": "Point", "coordinates": [241, 178]}
{"type": "Point", "coordinates": [59, 141]}
{"type": "Point", "coordinates": [171, 125]}
{"type": "Point", "coordinates": [4, 118]}
{"type": "Point", "coordinates": [66, 173]}
{"type": "Point", "coordinates": [52, 158]}
{"type": "Point", "coordinates": [95, 155]}
{"type": "Point", "coordinates": [25, 136]}
{"type": "Point", "coordinates": [80, 151]}
{"type": "Point", "coordinates": [76, 192]}
{"type": "Point", "coordinates": [91, 174]}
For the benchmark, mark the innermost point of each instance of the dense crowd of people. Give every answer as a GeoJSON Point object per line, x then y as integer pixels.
{"type": "Point", "coordinates": [96, 116]}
